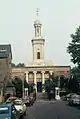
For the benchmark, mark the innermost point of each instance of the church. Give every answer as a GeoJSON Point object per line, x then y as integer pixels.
{"type": "Point", "coordinates": [39, 71]}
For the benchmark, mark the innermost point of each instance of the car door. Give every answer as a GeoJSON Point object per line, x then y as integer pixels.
{"type": "Point", "coordinates": [14, 113]}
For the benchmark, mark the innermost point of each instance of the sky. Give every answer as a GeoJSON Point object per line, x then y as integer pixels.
{"type": "Point", "coordinates": [59, 19]}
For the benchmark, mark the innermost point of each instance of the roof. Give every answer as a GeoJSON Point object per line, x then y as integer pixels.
{"type": "Point", "coordinates": [5, 104]}
{"type": "Point", "coordinates": [5, 51]}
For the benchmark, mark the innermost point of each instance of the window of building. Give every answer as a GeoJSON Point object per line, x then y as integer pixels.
{"type": "Point", "coordinates": [38, 55]}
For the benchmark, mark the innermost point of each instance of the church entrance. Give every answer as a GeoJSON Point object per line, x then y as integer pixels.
{"type": "Point", "coordinates": [39, 86]}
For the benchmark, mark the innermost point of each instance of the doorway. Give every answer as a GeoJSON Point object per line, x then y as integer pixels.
{"type": "Point", "coordinates": [39, 86]}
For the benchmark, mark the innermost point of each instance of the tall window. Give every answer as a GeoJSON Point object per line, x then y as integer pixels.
{"type": "Point", "coordinates": [38, 55]}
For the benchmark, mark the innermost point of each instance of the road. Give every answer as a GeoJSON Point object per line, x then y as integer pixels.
{"type": "Point", "coordinates": [52, 110]}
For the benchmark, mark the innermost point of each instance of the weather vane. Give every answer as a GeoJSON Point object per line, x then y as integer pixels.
{"type": "Point", "coordinates": [37, 12]}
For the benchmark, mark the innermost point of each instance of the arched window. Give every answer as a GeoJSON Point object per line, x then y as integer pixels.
{"type": "Point", "coordinates": [38, 55]}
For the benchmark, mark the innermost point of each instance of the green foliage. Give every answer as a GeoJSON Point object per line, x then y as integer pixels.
{"type": "Point", "coordinates": [51, 83]}
{"type": "Point", "coordinates": [13, 65]}
{"type": "Point", "coordinates": [17, 82]}
{"type": "Point", "coordinates": [74, 51]}
{"type": "Point", "coordinates": [31, 87]}
{"type": "Point", "coordinates": [74, 47]}
{"type": "Point", "coordinates": [64, 83]}
{"type": "Point", "coordinates": [74, 85]}
{"type": "Point", "coordinates": [26, 85]}
{"type": "Point", "coordinates": [9, 83]}
{"type": "Point", "coordinates": [75, 72]}
{"type": "Point", "coordinates": [20, 65]}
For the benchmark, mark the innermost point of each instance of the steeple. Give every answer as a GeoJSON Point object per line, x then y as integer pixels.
{"type": "Point", "coordinates": [38, 43]}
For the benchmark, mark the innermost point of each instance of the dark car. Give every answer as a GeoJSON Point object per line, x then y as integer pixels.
{"type": "Point", "coordinates": [68, 96]}
{"type": "Point", "coordinates": [29, 100]}
{"type": "Point", "coordinates": [8, 111]}
{"type": "Point", "coordinates": [26, 100]}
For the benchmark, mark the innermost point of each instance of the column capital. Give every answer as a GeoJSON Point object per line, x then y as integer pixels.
{"type": "Point", "coordinates": [42, 72]}
{"type": "Point", "coordinates": [50, 71]}
{"type": "Point", "coordinates": [27, 72]}
{"type": "Point", "coordinates": [34, 72]}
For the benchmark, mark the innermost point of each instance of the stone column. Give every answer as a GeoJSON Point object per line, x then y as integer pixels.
{"type": "Point", "coordinates": [43, 79]}
{"type": "Point", "coordinates": [51, 72]}
{"type": "Point", "coordinates": [27, 76]}
{"type": "Point", "coordinates": [35, 82]}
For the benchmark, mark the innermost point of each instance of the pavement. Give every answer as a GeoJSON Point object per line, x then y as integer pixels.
{"type": "Point", "coordinates": [52, 110]}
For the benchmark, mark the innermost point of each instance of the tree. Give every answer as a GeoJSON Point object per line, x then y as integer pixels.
{"type": "Point", "coordinates": [17, 82]}
{"type": "Point", "coordinates": [62, 82]}
{"type": "Point", "coordinates": [50, 85]}
{"type": "Point", "coordinates": [74, 51]}
{"type": "Point", "coordinates": [13, 65]}
{"type": "Point", "coordinates": [20, 65]}
{"type": "Point", "coordinates": [74, 85]}
{"type": "Point", "coordinates": [75, 72]}
{"type": "Point", "coordinates": [74, 47]}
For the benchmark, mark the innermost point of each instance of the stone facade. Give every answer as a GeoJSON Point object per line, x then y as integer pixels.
{"type": "Point", "coordinates": [5, 66]}
{"type": "Point", "coordinates": [38, 71]}
{"type": "Point", "coordinates": [38, 74]}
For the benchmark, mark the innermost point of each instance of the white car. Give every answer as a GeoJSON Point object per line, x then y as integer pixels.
{"type": "Point", "coordinates": [20, 106]}
{"type": "Point", "coordinates": [75, 100]}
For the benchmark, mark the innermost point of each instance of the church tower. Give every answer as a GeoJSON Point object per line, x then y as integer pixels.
{"type": "Point", "coordinates": [38, 44]}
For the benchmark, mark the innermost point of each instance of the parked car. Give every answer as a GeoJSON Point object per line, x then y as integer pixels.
{"type": "Point", "coordinates": [20, 106]}
{"type": "Point", "coordinates": [8, 111]}
{"type": "Point", "coordinates": [11, 99]}
{"type": "Point", "coordinates": [75, 100]}
{"type": "Point", "coordinates": [26, 100]}
{"type": "Point", "coordinates": [68, 96]}
{"type": "Point", "coordinates": [31, 100]}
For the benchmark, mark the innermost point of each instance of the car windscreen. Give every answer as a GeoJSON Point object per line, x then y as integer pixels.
{"type": "Point", "coordinates": [4, 110]}
{"type": "Point", "coordinates": [18, 102]}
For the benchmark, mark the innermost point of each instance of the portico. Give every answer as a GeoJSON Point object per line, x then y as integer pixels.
{"type": "Point", "coordinates": [38, 74]}
{"type": "Point", "coordinates": [36, 77]}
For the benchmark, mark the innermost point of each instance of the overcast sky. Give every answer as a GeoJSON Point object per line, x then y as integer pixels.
{"type": "Point", "coordinates": [59, 19]}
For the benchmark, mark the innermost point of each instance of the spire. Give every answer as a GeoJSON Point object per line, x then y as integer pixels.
{"type": "Point", "coordinates": [37, 25]}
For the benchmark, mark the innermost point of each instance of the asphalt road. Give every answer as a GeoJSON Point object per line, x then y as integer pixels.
{"type": "Point", "coordinates": [52, 110]}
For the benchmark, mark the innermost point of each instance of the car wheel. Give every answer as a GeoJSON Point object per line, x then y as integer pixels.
{"type": "Point", "coordinates": [25, 113]}
{"type": "Point", "coordinates": [21, 117]}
